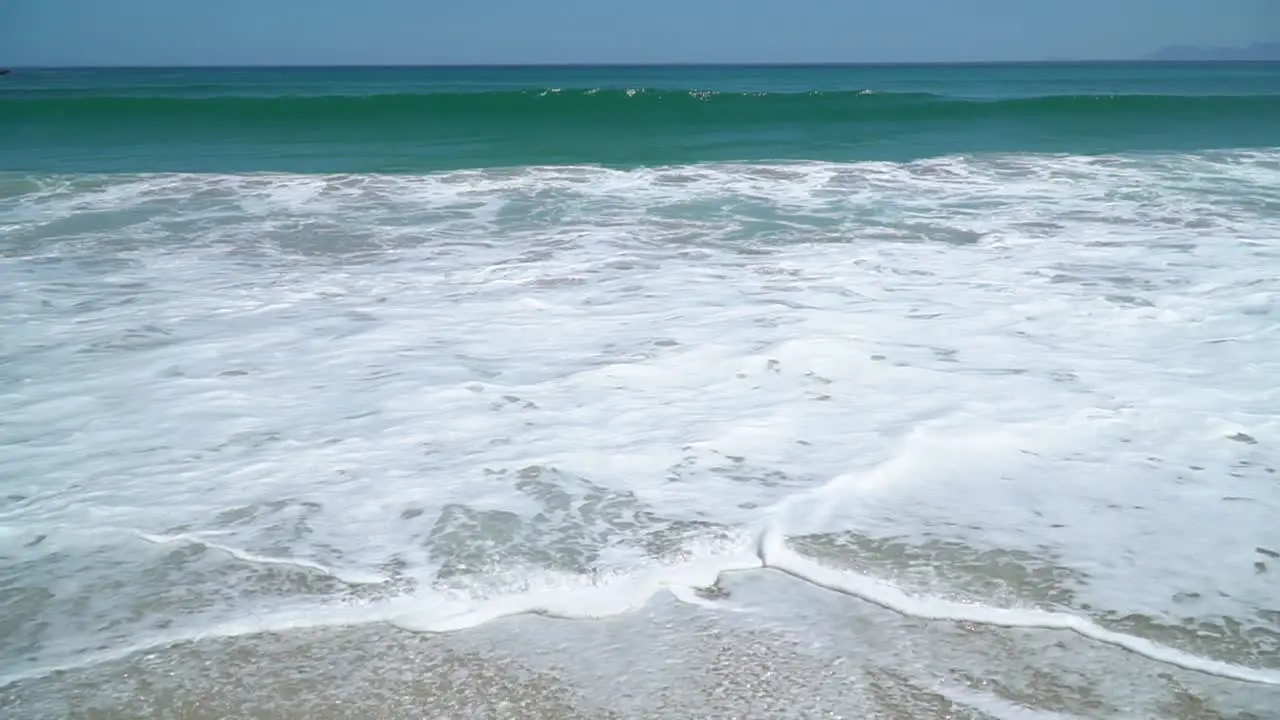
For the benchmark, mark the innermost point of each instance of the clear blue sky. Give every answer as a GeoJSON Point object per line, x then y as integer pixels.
{"type": "Point", "coordinates": [334, 32]}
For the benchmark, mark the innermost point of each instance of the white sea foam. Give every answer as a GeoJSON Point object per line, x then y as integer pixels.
{"type": "Point", "coordinates": [493, 389]}
{"type": "Point", "coordinates": [574, 597]}
{"type": "Point", "coordinates": [777, 556]}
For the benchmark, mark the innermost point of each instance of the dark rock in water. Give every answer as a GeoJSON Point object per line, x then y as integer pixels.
{"type": "Point", "coordinates": [5, 71]}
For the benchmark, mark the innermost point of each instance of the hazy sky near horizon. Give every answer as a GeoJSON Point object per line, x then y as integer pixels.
{"type": "Point", "coordinates": [337, 32]}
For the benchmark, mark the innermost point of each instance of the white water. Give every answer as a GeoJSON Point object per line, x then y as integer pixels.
{"type": "Point", "coordinates": [1033, 391]}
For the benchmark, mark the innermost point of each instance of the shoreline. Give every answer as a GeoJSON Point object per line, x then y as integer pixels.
{"type": "Point", "coordinates": [778, 648]}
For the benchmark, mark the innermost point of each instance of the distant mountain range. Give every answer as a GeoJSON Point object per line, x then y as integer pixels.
{"type": "Point", "coordinates": [1256, 51]}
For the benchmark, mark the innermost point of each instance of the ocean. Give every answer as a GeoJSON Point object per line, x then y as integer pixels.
{"type": "Point", "coordinates": [868, 391]}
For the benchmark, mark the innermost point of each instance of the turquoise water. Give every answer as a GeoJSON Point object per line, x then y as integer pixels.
{"type": "Point", "coordinates": [422, 119]}
{"type": "Point", "coordinates": [866, 391]}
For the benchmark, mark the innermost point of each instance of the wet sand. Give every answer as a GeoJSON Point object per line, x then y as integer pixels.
{"type": "Point", "coordinates": [773, 647]}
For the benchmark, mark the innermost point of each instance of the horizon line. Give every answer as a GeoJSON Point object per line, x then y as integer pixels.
{"type": "Point", "coordinates": [589, 65]}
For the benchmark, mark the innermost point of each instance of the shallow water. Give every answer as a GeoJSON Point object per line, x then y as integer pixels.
{"type": "Point", "coordinates": [1027, 396]}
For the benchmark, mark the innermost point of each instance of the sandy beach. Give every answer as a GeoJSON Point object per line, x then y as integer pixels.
{"type": "Point", "coordinates": [773, 647]}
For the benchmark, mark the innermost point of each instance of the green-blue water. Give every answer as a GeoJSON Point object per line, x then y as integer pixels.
{"type": "Point", "coordinates": [421, 119]}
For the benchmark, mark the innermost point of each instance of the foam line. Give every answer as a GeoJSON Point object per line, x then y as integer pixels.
{"type": "Point", "coordinates": [350, 578]}
{"type": "Point", "coordinates": [775, 555]}
{"type": "Point", "coordinates": [576, 601]}
{"type": "Point", "coordinates": [567, 601]}
{"type": "Point", "coordinates": [249, 625]}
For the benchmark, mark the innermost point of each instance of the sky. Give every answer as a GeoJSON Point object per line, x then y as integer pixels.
{"type": "Point", "coordinates": [342, 32]}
